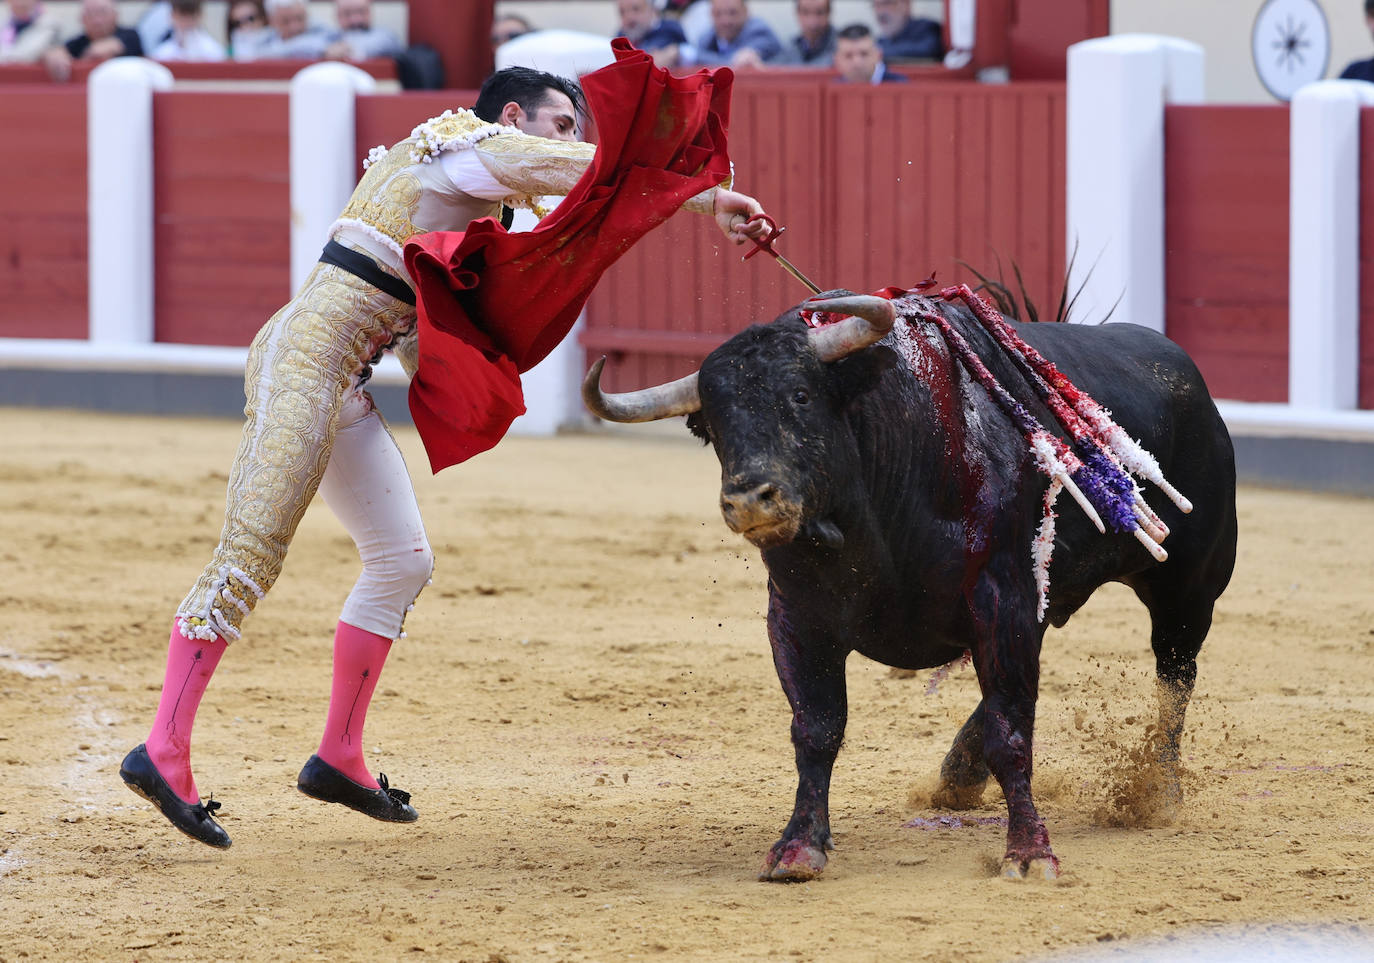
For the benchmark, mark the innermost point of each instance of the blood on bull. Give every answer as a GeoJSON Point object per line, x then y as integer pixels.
{"type": "Point", "coordinates": [900, 483]}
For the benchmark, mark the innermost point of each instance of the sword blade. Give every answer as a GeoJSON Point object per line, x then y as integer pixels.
{"type": "Point", "coordinates": [790, 269]}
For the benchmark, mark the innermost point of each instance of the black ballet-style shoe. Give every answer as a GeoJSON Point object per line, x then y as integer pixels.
{"type": "Point", "coordinates": [320, 780]}
{"type": "Point", "coordinates": [193, 819]}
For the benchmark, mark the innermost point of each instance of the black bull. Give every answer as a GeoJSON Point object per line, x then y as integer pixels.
{"type": "Point", "coordinates": [895, 513]}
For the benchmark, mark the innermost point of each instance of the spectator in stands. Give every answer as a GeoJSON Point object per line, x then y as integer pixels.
{"type": "Point", "coordinates": [245, 26]}
{"type": "Point", "coordinates": [357, 38]}
{"type": "Point", "coordinates": [815, 45]}
{"type": "Point", "coordinates": [904, 37]}
{"type": "Point", "coordinates": [101, 39]}
{"type": "Point", "coordinates": [155, 25]}
{"type": "Point", "coordinates": [859, 59]}
{"type": "Point", "coordinates": [507, 27]}
{"type": "Point", "coordinates": [28, 32]}
{"type": "Point", "coordinates": [735, 38]}
{"type": "Point", "coordinates": [292, 36]}
{"type": "Point", "coordinates": [1362, 69]}
{"type": "Point", "coordinates": [189, 40]}
{"type": "Point", "coordinates": [643, 27]}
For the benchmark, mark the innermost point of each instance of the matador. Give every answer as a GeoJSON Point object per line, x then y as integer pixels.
{"type": "Point", "coordinates": [310, 425]}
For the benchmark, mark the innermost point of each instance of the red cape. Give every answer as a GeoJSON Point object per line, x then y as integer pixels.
{"type": "Point", "coordinates": [493, 304]}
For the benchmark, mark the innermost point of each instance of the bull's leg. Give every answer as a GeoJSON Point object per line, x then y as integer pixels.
{"type": "Point", "coordinates": [813, 679]}
{"type": "Point", "coordinates": [1180, 623]}
{"type": "Point", "coordinates": [964, 773]}
{"type": "Point", "coordinates": [1007, 658]}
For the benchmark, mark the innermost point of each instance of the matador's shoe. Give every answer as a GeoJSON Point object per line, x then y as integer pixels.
{"type": "Point", "coordinates": [193, 819]}
{"type": "Point", "coordinates": [320, 780]}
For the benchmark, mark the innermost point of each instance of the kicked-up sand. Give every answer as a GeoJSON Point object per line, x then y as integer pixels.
{"type": "Point", "coordinates": [586, 713]}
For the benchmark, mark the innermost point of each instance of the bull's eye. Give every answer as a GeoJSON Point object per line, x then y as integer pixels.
{"type": "Point", "coordinates": [801, 397]}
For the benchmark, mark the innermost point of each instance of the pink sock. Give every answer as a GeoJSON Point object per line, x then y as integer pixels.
{"type": "Point", "coordinates": [190, 663]}
{"type": "Point", "coordinates": [358, 659]}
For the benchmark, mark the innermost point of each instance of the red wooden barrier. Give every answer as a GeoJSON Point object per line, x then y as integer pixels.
{"type": "Point", "coordinates": [221, 192]}
{"type": "Point", "coordinates": [460, 31]}
{"type": "Point", "coordinates": [1366, 389]}
{"type": "Point", "coordinates": [43, 212]}
{"type": "Point", "coordinates": [383, 68]}
{"type": "Point", "coordinates": [876, 186]}
{"type": "Point", "coordinates": [1039, 33]}
{"type": "Point", "coordinates": [1226, 245]}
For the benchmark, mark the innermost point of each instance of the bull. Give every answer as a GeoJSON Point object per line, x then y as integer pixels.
{"type": "Point", "coordinates": [895, 506]}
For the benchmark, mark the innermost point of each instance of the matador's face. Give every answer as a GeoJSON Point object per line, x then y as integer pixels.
{"type": "Point", "coordinates": [555, 118]}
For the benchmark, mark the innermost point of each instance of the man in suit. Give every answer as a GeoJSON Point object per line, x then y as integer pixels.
{"type": "Point", "coordinates": [858, 58]}
{"type": "Point", "coordinates": [735, 39]}
{"type": "Point", "coordinates": [904, 37]}
{"type": "Point", "coordinates": [642, 26]}
{"type": "Point", "coordinates": [814, 45]}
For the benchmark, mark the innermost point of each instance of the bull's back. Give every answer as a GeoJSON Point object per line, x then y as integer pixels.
{"type": "Point", "coordinates": [1153, 389]}
{"type": "Point", "coordinates": [1156, 393]}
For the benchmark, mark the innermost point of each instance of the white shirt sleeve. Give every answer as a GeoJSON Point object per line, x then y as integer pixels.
{"type": "Point", "coordinates": [470, 176]}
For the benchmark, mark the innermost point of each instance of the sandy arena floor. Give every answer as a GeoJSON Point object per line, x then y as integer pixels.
{"type": "Point", "coordinates": [587, 715]}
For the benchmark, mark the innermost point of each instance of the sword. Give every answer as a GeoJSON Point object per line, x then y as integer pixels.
{"type": "Point", "coordinates": [774, 233]}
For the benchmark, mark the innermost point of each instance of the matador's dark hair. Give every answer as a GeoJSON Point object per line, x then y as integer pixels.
{"type": "Point", "coordinates": [527, 87]}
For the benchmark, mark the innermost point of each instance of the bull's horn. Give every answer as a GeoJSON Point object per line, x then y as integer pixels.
{"type": "Point", "coordinates": [648, 404]}
{"type": "Point", "coordinates": [870, 318]}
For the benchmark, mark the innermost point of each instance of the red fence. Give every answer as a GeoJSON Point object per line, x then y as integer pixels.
{"type": "Point", "coordinates": [1226, 245]}
{"type": "Point", "coordinates": [223, 250]}
{"type": "Point", "coordinates": [875, 186]}
{"type": "Point", "coordinates": [43, 213]}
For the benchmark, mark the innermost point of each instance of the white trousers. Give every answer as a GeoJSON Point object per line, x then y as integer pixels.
{"type": "Point", "coordinates": [367, 487]}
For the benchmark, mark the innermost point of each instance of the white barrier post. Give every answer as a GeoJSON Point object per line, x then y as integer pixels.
{"type": "Point", "coordinates": [552, 388]}
{"type": "Point", "coordinates": [325, 167]}
{"type": "Point", "coordinates": [1324, 244]}
{"type": "Point", "coordinates": [1117, 89]}
{"type": "Point", "coordinates": [119, 175]}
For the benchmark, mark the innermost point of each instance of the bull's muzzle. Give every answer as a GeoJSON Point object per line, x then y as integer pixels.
{"type": "Point", "coordinates": [760, 512]}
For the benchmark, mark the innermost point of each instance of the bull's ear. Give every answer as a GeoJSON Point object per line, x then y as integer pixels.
{"type": "Point", "coordinates": [861, 371]}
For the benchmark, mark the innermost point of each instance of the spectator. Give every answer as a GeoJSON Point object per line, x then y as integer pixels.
{"type": "Point", "coordinates": [904, 37]}
{"type": "Point", "coordinates": [815, 45]}
{"type": "Point", "coordinates": [735, 38]}
{"type": "Point", "coordinates": [694, 19]}
{"type": "Point", "coordinates": [245, 24]}
{"type": "Point", "coordinates": [859, 59]}
{"type": "Point", "coordinates": [292, 35]}
{"type": "Point", "coordinates": [507, 27]}
{"type": "Point", "coordinates": [28, 33]}
{"type": "Point", "coordinates": [155, 25]}
{"type": "Point", "coordinates": [1362, 69]}
{"type": "Point", "coordinates": [357, 38]}
{"type": "Point", "coordinates": [102, 39]}
{"type": "Point", "coordinates": [643, 27]}
{"type": "Point", "coordinates": [188, 41]}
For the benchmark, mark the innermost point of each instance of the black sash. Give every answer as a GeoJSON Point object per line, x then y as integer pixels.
{"type": "Point", "coordinates": [362, 266]}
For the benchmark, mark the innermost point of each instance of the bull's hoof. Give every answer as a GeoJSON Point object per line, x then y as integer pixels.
{"type": "Point", "coordinates": [793, 861]}
{"type": "Point", "coordinates": [1041, 867]}
{"type": "Point", "coordinates": [948, 795]}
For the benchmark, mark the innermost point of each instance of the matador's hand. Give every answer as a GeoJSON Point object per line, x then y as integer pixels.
{"type": "Point", "coordinates": [733, 210]}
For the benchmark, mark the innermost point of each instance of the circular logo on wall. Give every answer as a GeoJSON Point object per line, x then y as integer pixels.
{"type": "Point", "coordinates": [1290, 44]}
